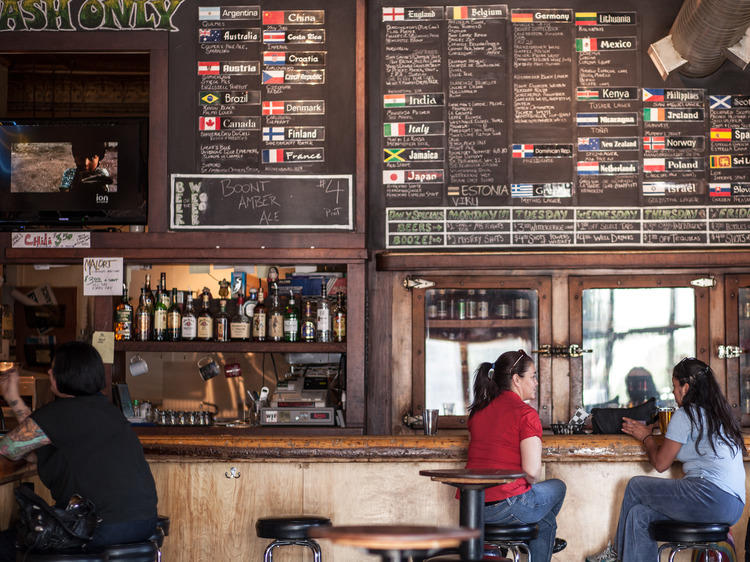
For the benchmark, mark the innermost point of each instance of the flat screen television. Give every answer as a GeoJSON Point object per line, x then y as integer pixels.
{"type": "Point", "coordinates": [71, 173]}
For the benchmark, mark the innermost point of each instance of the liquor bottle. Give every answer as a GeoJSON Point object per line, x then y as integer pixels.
{"type": "Point", "coordinates": [189, 322]}
{"type": "Point", "coordinates": [250, 303]}
{"type": "Point", "coordinates": [124, 317]}
{"type": "Point", "coordinates": [307, 328]}
{"type": "Point", "coordinates": [275, 317]}
{"type": "Point", "coordinates": [174, 318]}
{"type": "Point", "coordinates": [471, 305]}
{"type": "Point", "coordinates": [149, 294]}
{"type": "Point", "coordinates": [143, 318]}
{"type": "Point", "coordinates": [483, 305]}
{"type": "Point", "coordinates": [205, 319]}
{"type": "Point", "coordinates": [323, 325]}
{"type": "Point", "coordinates": [239, 326]}
{"type": "Point", "coordinates": [221, 322]}
{"type": "Point", "coordinates": [339, 319]}
{"type": "Point", "coordinates": [164, 295]}
{"type": "Point", "coordinates": [291, 320]}
{"type": "Point", "coordinates": [160, 320]}
{"type": "Point", "coordinates": [259, 319]}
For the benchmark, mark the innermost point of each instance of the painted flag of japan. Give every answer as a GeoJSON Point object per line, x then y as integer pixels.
{"type": "Point", "coordinates": [521, 17]}
{"type": "Point", "coordinates": [209, 13]}
{"type": "Point", "coordinates": [522, 150]}
{"type": "Point", "coordinates": [273, 133]}
{"type": "Point", "coordinates": [654, 165]}
{"type": "Point", "coordinates": [653, 114]}
{"type": "Point", "coordinates": [720, 190]}
{"type": "Point", "coordinates": [394, 100]}
{"type": "Point", "coordinates": [587, 168]}
{"type": "Point", "coordinates": [272, 108]}
{"type": "Point", "coordinates": [394, 129]}
{"type": "Point", "coordinates": [209, 124]}
{"type": "Point", "coordinates": [393, 14]}
{"type": "Point", "coordinates": [273, 18]}
{"type": "Point", "coordinates": [274, 57]}
{"type": "Point", "coordinates": [273, 155]}
{"type": "Point", "coordinates": [585, 44]}
{"type": "Point", "coordinates": [653, 94]}
{"type": "Point", "coordinates": [205, 68]}
{"type": "Point", "coordinates": [460, 12]}
{"type": "Point", "coordinates": [393, 176]}
{"type": "Point", "coordinates": [273, 76]}
{"type": "Point", "coordinates": [721, 135]}
{"type": "Point", "coordinates": [653, 143]}
{"type": "Point", "coordinates": [274, 36]}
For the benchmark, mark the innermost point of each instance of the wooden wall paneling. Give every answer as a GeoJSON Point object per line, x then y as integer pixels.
{"type": "Point", "coordinates": [158, 180]}
{"type": "Point", "coordinates": [360, 178]}
{"type": "Point", "coordinates": [418, 347]}
{"type": "Point", "coordinates": [575, 329]}
{"type": "Point", "coordinates": [544, 292]}
{"type": "Point", "coordinates": [560, 367]}
{"type": "Point", "coordinates": [401, 357]}
{"type": "Point", "coordinates": [380, 339]}
{"type": "Point", "coordinates": [732, 286]}
{"type": "Point", "coordinates": [716, 334]}
{"type": "Point", "coordinates": [355, 345]}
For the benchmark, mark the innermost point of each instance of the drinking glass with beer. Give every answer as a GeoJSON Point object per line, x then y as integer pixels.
{"type": "Point", "coordinates": [665, 415]}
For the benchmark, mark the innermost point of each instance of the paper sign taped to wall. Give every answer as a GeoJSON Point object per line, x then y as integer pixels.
{"type": "Point", "coordinates": [104, 342]}
{"type": "Point", "coordinates": [102, 276]}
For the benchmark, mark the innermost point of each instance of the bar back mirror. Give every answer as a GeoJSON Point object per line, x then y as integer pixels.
{"type": "Point", "coordinates": [636, 336]}
{"type": "Point", "coordinates": [466, 327]}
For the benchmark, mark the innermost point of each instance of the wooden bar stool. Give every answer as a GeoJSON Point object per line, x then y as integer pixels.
{"type": "Point", "coordinates": [396, 543]}
{"type": "Point", "coordinates": [682, 535]}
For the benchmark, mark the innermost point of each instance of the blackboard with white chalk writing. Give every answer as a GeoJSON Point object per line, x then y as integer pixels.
{"type": "Point", "coordinates": [203, 201]}
{"type": "Point", "coordinates": [546, 124]}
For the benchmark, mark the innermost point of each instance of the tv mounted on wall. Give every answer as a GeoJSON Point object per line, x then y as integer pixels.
{"type": "Point", "coordinates": [71, 173]}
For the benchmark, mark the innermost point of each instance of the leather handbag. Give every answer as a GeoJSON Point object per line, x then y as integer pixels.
{"type": "Point", "coordinates": [609, 420]}
{"type": "Point", "coordinates": [44, 528]}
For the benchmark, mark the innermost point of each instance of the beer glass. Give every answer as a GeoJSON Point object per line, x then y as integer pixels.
{"type": "Point", "coordinates": [665, 414]}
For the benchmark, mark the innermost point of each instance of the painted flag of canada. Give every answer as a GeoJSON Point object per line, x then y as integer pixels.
{"type": "Point", "coordinates": [209, 124]}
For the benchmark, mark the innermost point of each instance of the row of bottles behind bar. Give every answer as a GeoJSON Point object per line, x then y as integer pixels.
{"type": "Point", "coordinates": [161, 317]}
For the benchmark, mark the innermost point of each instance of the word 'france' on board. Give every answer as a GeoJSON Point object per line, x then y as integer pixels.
{"type": "Point", "coordinates": [91, 15]}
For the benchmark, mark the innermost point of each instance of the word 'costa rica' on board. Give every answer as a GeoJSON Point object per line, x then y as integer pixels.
{"type": "Point", "coordinates": [90, 15]}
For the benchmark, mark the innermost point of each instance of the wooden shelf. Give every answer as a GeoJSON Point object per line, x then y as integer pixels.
{"type": "Point", "coordinates": [483, 323]}
{"type": "Point", "coordinates": [229, 347]}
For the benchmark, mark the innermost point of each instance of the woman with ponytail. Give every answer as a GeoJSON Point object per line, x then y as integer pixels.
{"type": "Point", "coordinates": [506, 433]}
{"type": "Point", "coordinates": [705, 436]}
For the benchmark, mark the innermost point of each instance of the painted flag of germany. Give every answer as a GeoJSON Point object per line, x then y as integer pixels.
{"type": "Point", "coordinates": [721, 135]}
{"type": "Point", "coordinates": [522, 17]}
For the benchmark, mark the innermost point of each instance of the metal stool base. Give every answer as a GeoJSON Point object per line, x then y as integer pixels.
{"type": "Point", "coordinates": [676, 547]}
{"type": "Point", "coordinates": [514, 547]}
{"type": "Point", "coordinates": [311, 544]}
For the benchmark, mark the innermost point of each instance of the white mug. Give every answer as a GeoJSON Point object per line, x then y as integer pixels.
{"type": "Point", "coordinates": [138, 366]}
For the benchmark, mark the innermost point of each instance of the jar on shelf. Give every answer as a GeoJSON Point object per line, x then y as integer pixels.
{"type": "Point", "coordinates": [442, 305]}
{"type": "Point", "coordinates": [460, 307]}
{"type": "Point", "coordinates": [746, 396]}
{"type": "Point", "coordinates": [483, 305]}
{"type": "Point", "coordinates": [746, 309]}
{"type": "Point", "coordinates": [471, 305]}
{"type": "Point", "coordinates": [502, 310]}
{"type": "Point", "coordinates": [521, 307]}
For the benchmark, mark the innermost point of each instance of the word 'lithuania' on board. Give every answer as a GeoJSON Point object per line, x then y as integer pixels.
{"type": "Point", "coordinates": [89, 15]}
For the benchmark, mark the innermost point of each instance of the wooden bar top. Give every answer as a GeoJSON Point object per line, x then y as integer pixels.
{"type": "Point", "coordinates": [15, 470]}
{"type": "Point", "coordinates": [346, 448]}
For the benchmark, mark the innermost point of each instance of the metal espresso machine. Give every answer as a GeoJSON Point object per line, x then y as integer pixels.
{"type": "Point", "coordinates": [307, 396]}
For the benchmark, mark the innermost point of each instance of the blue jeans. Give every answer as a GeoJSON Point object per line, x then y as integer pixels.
{"type": "Point", "coordinates": [649, 499]}
{"type": "Point", "coordinates": [538, 505]}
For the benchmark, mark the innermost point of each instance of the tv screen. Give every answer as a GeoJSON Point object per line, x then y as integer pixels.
{"type": "Point", "coordinates": [73, 173]}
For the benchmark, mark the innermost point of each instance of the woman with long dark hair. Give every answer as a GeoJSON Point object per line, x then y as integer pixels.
{"type": "Point", "coordinates": [506, 433]}
{"type": "Point", "coordinates": [702, 434]}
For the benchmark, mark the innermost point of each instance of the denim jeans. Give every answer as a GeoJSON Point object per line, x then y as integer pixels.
{"type": "Point", "coordinates": [538, 505]}
{"type": "Point", "coordinates": [649, 499]}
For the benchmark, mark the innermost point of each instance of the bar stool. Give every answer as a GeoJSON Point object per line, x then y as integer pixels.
{"type": "Point", "coordinates": [134, 552]}
{"type": "Point", "coordinates": [682, 535]}
{"type": "Point", "coordinates": [161, 531]}
{"type": "Point", "coordinates": [515, 538]}
{"type": "Point", "coordinates": [290, 531]}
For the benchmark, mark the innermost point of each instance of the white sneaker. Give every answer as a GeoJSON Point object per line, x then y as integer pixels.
{"type": "Point", "coordinates": [606, 555]}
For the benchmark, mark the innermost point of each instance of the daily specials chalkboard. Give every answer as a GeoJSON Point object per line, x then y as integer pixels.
{"type": "Point", "coordinates": [203, 201]}
{"type": "Point", "coordinates": [264, 89]}
{"type": "Point", "coordinates": [535, 125]}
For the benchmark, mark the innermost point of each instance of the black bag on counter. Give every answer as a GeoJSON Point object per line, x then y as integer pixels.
{"type": "Point", "coordinates": [44, 528]}
{"type": "Point", "coordinates": [609, 420]}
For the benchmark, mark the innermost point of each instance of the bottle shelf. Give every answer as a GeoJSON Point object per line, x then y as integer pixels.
{"type": "Point", "coordinates": [483, 323]}
{"type": "Point", "coordinates": [196, 346]}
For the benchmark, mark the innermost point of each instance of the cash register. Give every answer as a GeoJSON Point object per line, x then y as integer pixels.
{"type": "Point", "coordinates": [304, 397]}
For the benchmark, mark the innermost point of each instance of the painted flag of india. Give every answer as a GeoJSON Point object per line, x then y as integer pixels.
{"type": "Point", "coordinates": [394, 129]}
{"type": "Point", "coordinates": [394, 100]}
{"type": "Point", "coordinates": [653, 114]}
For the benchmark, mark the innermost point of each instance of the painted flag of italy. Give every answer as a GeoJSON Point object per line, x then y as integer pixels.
{"type": "Point", "coordinates": [206, 13]}
{"type": "Point", "coordinates": [653, 114]}
{"type": "Point", "coordinates": [394, 100]}
{"type": "Point", "coordinates": [586, 44]}
{"type": "Point", "coordinates": [654, 165]}
{"type": "Point", "coordinates": [394, 129]}
{"type": "Point", "coordinates": [585, 18]}
{"type": "Point", "coordinates": [273, 155]}
{"type": "Point", "coordinates": [393, 176]}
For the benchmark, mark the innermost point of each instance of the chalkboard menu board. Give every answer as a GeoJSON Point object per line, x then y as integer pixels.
{"type": "Point", "coordinates": [541, 125]}
{"type": "Point", "coordinates": [263, 90]}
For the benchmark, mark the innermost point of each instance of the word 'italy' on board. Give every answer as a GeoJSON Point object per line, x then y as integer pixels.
{"type": "Point", "coordinates": [91, 15]}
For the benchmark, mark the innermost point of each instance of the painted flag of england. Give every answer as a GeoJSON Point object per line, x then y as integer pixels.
{"type": "Point", "coordinates": [273, 17]}
{"type": "Point", "coordinates": [274, 36]}
{"type": "Point", "coordinates": [273, 76]}
{"type": "Point", "coordinates": [654, 165]}
{"type": "Point", "coordinates": [274, 57]}
{"type": "Point", "coordinates": [209, 124]}
{"type": "Point", "coordinates": [587, 168]}
{"type": "Point", "coordinates": [205, 68]}
{"type": "Point", "coordinates": [586, 44]}
{"type": "Point", "coordinates": [720, 190]}
{"type": "Point", "coordinates": [393, 176]}
{"type": "Point", "coordinates": [272, 108]}
{"type": "Point", "coordinates": [206, 13]}
{"type": "Point", "coordinates": [393, 14]}
{"type": "Point", "coordinates": [273, 155]}
{"type": "Point", "coordinates": [653, 143]}
{"type": "Point", "coordinates": [273, 133]}
{"type": "Point", "coordinates": [653, 94]}
{"type": "Point", "coordinates": [394, 129]}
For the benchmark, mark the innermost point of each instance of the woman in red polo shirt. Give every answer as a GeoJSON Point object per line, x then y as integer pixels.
{"type": "Point", "coordinates": [506, 433]}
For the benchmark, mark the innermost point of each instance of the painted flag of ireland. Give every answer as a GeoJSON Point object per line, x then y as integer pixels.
{"type": "Point", "coordinates": [653, 114]}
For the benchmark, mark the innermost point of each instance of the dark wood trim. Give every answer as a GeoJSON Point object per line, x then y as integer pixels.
{"type": "Point", "coordinates": [700, 258]}
{"type": "Point", "coordinates": [228, 347]}
{"type": "Point", "coordinates": [360, 177]}
{"type": "Point", "coordinates": [732, 286]}
{"type": "Point", "coordinates": [355, 345]}
{"type": "Point", "coordinates": [158, 183]}
{"type": "Point", "coordinates": [379, 351]}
